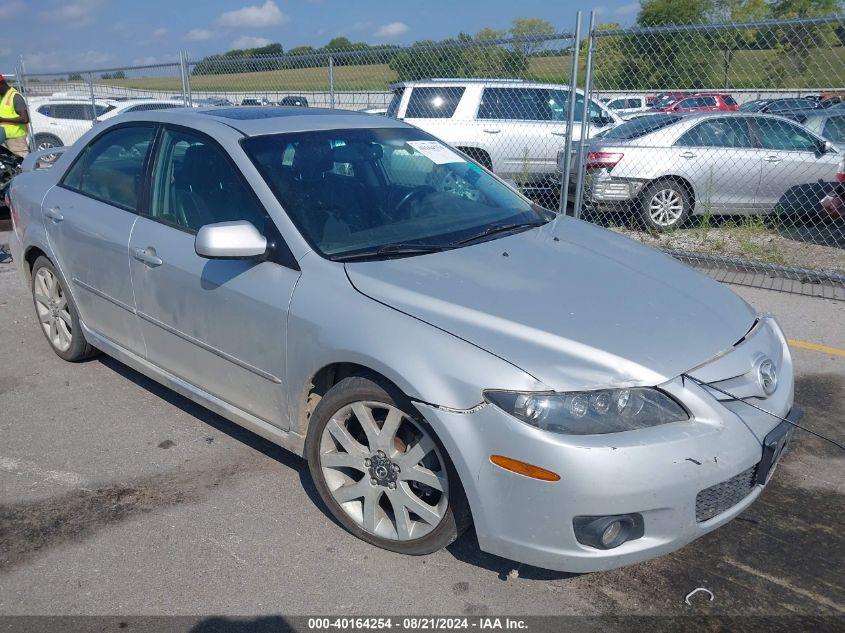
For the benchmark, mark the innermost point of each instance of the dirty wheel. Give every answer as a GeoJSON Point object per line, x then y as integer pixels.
{"type": "Point", "coordinates": [57, 313]}
{"type": "Point", "coordinates": [382, 472]}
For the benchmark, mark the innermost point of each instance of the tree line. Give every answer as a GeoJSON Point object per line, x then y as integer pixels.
{"type": "Point", "coordinates": [462, 56]}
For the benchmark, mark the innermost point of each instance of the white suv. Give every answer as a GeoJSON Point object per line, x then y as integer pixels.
{"type": "Point", "coordinates": [513, 127]}
{"type": "Point", "coordinates": [59, 122]}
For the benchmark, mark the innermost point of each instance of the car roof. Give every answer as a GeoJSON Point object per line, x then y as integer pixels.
{"type": "Point", "coordinates": [257, 121]}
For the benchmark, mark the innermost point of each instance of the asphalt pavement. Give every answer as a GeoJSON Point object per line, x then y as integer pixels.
{"type": "Point", "coordinates": [118, 496]}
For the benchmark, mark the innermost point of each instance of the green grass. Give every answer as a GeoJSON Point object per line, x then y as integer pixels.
{"type": "Point", "coordinates": [748, 69]}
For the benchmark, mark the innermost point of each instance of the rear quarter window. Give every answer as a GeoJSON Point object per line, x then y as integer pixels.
{"type": "Point", "coordinates": [434, 102]}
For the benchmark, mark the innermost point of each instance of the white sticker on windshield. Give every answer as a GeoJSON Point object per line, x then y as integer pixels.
{"type": "Point", "coordinates": [436, 152]}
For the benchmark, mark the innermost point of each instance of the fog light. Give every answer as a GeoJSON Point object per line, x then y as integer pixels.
{"type": "Point", "coordinates": [611, 533]}
{"type": "Point", "coordinates": [608, 532]}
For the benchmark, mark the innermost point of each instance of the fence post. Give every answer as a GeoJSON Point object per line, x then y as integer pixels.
{"type": "Point", "coordinates": [570, 118]}
{"type": "Point", "coordinates": [187, 70]}
{"type": "Point", "coordinates": [182, 77]}
{"type": "Point", "coordinates": [585, 119]}
{"type": "Point", "coordinates": [93, 101]}
{"type": "Point", "coordinates": [21, 81]}
{"type": "Point", "coordinates": [331, 81]}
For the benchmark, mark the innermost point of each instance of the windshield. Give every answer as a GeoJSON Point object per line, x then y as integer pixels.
{"type": "Point", "coordinates": [360, 190]}
{"type": "Point", "coordinates": [640, 127]}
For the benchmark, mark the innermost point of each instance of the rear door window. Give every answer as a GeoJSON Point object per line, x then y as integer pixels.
{"type": "Point", "coordinates": [834, 129]}
{"type": "Point", "coordinates": [434, 102]}
{"type": "Point", "coordinates": [111, 167]}
{"type": "Point", "coordinates": [780, 135]}
{"type": "Point", "coordinates": [727, 132]}
{"type": "Point", "coordinates": [521, 104]}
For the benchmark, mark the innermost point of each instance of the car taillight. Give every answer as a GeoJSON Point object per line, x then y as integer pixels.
{"type": "Point", "coordinates": [596, 160]}
{"type": "Point", "coordinates": [840, 175]}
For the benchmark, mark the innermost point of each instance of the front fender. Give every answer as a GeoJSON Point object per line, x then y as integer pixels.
{"type": "Point", "coordinates": [331, 322]}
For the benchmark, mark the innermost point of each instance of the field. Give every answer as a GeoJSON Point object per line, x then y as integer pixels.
{"type": "Point", "coordinates": [747, 69]}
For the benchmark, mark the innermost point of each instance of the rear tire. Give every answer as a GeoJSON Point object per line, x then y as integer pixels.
{"type": "Point", "coordinates": [665, 205]}
{"type": "Point", "coordinates": [57, 313]}
{"type": "Point", "coordinates": [382, 472]}
{"type": "Point", "coordinates": [47, 141]}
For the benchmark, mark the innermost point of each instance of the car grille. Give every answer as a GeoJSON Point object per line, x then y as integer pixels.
{"type": "Point", "coordinates": [716, 499]}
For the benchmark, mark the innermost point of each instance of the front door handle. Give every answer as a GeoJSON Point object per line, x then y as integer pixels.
{"type": "Point", "coordinates": [491, 131]}
{"type": "Point", "coordinates": [687, 154]}
{"type": "Point", "coordinates": [772, 159]}
{"type": "Point", "coordinates": [54, 214]}
{"type": "Point", "coordinates": [148, 256]}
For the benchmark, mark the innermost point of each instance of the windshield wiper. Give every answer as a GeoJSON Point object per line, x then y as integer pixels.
{"type": "Point", "coordinates": [392, 250]}
{"type": "Point", "coordinates": [493, 229]}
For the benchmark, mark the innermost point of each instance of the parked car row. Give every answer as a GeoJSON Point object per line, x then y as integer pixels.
{"type": "Point", "coordinates": [290, 100]}
{"type": "Point", "coordinates": [668, 167]}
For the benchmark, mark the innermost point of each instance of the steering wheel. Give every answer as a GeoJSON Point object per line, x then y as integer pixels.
{"type": "Point", "coordinates": [418, 192]}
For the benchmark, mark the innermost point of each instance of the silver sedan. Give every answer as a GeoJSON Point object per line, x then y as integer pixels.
{"type": "Point", "coordinates": [669, 167]}
{"type": "Point", "coordinates": [439, 349]}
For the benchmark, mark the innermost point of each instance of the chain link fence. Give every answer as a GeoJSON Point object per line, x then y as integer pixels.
{"type": "Point", "coordinates": [713, 178]}
{"type": "Point", "coordinates": [733, 138]}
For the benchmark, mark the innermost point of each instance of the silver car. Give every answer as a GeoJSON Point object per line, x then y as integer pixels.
{"type": "Point", "coordinates": [668, 167]}
{"type": "Point", "coordinates": [437, 347]}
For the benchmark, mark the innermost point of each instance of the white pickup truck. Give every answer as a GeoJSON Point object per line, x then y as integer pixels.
{"type": "Point", "coordinates": [513, 127]}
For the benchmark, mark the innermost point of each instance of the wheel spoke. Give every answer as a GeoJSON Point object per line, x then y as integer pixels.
{"type": "Point", "coordinates": [54, 331]}
{"type": "Point", "coordinates": [419, 450]}
{"type": "Point", "coordinates": [365, 418]}
{"type": "Point", "coordinates": [64, 335]}
{"type": "Point", "coordinates": [424, 476]}
{"type": "Point", "coordinates": [342, 460]}
{"type": "Point", "coordinates": [352, 491]}
{"type": "Point", "coordinates": [388, 430]}
{"type": "Point", "coordinates": [371, 509]}
{"type": "Point", "coordinates": [402, 496]}
{"type": "Point", "coordinates": [42, 298]}
{"type": "Point", "coordinates": [341, 434]}
{"type": "Point", "coordinates": [64, 315]}
{"type": "Point", "coordinates": [402, 521]}
{"type": "Point", "coordinates": [44, 317]}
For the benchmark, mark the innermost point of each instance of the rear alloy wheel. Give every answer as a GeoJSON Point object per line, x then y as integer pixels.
{"type": "Point", "coordinates": [57, 313]}
{"type": "Point", "coordinates": [381, 471]}
{"type": "Point", "coordinates": [47, 141]}
{"type": "Point", "coordinates": [665, 206]}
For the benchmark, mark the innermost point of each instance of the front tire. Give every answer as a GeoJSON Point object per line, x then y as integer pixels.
{"type": "Point", "coordinates": [665, 205]}
{"type": "Point", "coordinates": [381, 470]}
{"type": "Point", "coordinates": [57, 313]}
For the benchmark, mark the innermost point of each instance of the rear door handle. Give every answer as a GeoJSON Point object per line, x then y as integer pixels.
{"type": "Point", "coordinates": [492, 131]}
{"type": "Point", "coordinates": [54, 214]}
{"type": "Point", "coordinates": [687, 154]}
{"type": "Point", "coordinates": [148, 256]}
{"type": "Point", "coordinates": [772, 159]}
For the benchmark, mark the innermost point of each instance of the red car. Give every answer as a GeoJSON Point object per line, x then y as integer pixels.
{"type": "Point", "coordinates": [703, 102]}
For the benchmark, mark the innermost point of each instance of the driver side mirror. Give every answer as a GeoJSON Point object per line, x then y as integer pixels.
{"type": "Point", "coordinates": [230, 240]}
{"type": "Point", "coordinates": [828, 148]}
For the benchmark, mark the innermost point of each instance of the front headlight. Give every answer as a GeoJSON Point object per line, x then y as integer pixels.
{"type": "Point", "coordinates": [590, 412]}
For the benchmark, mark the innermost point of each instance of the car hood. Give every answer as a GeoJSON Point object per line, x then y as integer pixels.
{"type": "Point", "coordinates": [574, 305]}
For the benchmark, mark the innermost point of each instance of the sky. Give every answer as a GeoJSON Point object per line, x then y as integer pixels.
{"type": "Point", "coordinates": [63, 35]}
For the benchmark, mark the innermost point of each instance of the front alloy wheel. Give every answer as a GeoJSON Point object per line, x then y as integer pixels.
{"type": "Point", "coordinates": [382, 472]}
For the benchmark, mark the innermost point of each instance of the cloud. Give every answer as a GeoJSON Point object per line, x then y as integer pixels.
{"type": "Point", "coordinates": [248, 41]}
{"type": "Point", "coordinates": [160, 32]}
{"type": "Point", "coordinates": [93, 58]}
{"type": "Point", "coordinates": [198, 35]}
{"type": "Point", "coordinates": [394, 29]}
{"type": "Point", "coordinates": [628, 9]}
{"type": "Point", "coordinates": [11, 8]}
{"type": "Point", "coordinates": [73, 15]}
{"type": "Point", "coordinates": [151, 60]}
{"type": "Point", "coordinates": [268, 14]}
